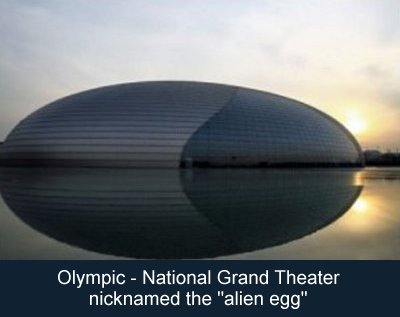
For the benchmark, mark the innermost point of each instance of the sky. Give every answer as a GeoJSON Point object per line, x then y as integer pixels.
{"type": "Point", "coordinates": [340, 56]}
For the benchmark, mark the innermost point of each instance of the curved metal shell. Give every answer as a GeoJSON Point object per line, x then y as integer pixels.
{"type": "Point", "coordinates": [171, 124]}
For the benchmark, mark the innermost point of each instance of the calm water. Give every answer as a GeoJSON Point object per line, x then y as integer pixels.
{"type": "Point", "coordinates": [226, 213]}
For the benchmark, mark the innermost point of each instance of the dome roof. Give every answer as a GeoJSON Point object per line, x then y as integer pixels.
{"type": "Point", "coordinates": [171, 124]}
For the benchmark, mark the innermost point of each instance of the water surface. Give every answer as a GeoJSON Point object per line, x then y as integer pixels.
{"type": "Point", "coordinates": [200, 213]}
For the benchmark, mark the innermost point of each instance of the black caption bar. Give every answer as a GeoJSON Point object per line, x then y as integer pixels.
{"type": "Point", "coordinates": [195, 288]}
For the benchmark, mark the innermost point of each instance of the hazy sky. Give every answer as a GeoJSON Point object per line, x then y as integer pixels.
{"type": "Point", "coordinates": [341, 56]}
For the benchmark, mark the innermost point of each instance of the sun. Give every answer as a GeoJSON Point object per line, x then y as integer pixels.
{"type": "Point", "coordinates": [356, 123]}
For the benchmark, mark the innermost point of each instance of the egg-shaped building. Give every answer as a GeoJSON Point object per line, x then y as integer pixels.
{"type": "Point", "coordinates": [172, 124]}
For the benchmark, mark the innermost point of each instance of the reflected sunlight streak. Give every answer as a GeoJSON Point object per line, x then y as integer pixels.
{"type": "Point", "coordinates": [360, 206]}
{"type": "Point", "coordinates": [362, 216]}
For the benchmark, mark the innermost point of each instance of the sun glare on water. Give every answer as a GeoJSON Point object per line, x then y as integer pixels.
{"type": "Point", "coordinates": [360, 206]}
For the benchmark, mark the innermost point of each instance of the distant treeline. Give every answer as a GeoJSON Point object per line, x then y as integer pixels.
{"type": "Point", "coordinates": [377, 158]}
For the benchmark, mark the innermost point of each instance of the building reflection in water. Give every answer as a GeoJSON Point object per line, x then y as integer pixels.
{"type": "Point", "coordinates": [172, 213]}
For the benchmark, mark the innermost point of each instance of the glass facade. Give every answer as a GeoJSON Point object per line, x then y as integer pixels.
{"type": "Point", "coordinates": [260, 129]}
{"type": "Point", "coordinates": [171, 124]}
